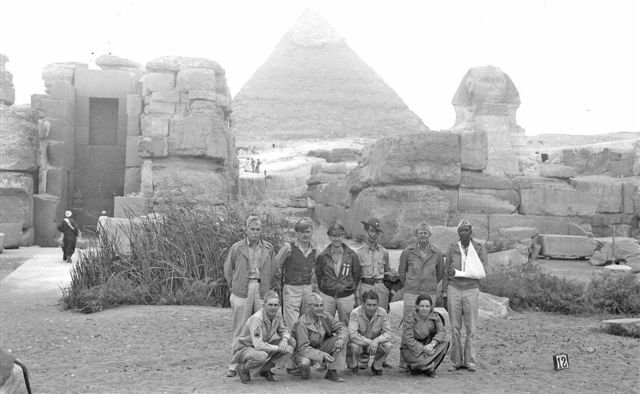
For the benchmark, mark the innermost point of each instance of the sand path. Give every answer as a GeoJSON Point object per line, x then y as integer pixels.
{"type": "Point", "coordinates": [170, 349]}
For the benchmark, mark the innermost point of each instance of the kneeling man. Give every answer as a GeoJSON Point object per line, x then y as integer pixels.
{"type": "Point", "coordinates": [320, 338]}
{"type": "Point", "coordinates": [369, 331]}
{"type": "Point", "coordinates": [264, 340]}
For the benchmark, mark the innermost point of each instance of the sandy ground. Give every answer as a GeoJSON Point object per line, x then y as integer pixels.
{"type": "Point", "coordinates": [169, 349]}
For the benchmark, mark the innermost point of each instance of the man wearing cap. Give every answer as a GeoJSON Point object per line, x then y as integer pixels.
{"type": "Point", "coordinates": [421, 268]}
{"type": "Point", "coordinates": [374, 263]}
{"type": "Point", "coordinates": [263, 341]}
{"type": "Point", "coordinates": [248, 270]}
{"type": "Point", "coordinates": [370, 331]}
{"type": "Point", "coordinates": [338, 273]}
{"type": "Point", "coordinates": [462, 297]}
{"type": "Point", "coordinates": [70, 232]}
{"type": "Point", "coordinates": [294, 271]}
{"type": "Point", "coordinates": [320, 338]}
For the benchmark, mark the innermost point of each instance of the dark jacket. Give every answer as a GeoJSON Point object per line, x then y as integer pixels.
{"type": "Point", "coordinates": [67, 231]}
{"type": "Point", "coordinates": [345, 283]}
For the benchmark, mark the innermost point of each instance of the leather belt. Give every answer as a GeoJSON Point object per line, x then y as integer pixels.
{"type": "Point", "coordinates": [256, 279]}
{"type": "Point", "coordinates": [370, 281]}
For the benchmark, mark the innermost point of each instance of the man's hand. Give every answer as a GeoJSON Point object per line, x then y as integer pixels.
{"type": "Point", "coordinates": [328, 358]}
{"type": "Point", "coordinates": [338, 345]}
{"type": "Point", "coordinates": [373, 348]}
{"type": "Point", "coordinates": [283, 345]}
{"type": "Point", "coordinates": [429, 349]}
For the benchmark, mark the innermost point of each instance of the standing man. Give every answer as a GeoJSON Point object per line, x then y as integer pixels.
{"type": "Point", "coordinates": [263, 341]}
{"type": "Point", "coordinates": [374, 263]}
{"type": "Point", "coordinates": [369, 331]}
{"type": "Point", "coordinates": [338, 273]}
{"type": "Point", "coordinates": [70, 233]}
{"type": "Point", "coordinates": [462, 297]}
{"type": "Point", "coordinates": [248, 270]}
{"type": "Point", "coordinates": [421, 268]}
{"type": "Point", "coordinates": [294, 271]}
{"type": "Point", "coordinates": [320, 338]}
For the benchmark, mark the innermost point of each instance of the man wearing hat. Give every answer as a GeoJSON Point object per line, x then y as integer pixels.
{"type": "Point", "coordinates": [294, 271]}
{"type": "Point", "coordinates": [320, 338]}
{"type": "Point", "coordinates": [70, 232]}
{"type": "Point", "coordinates": [374, 263]}
{"type": "Point", "coordinates": [421, 268]}
{"type": "Point", "coordinates": [248, 270]}
{"type": "Point", "coordinates": [263, 341]}
{"type": "Point", "coordinates": [338, 274]}
{"type": "Point", "coordinates": [462, 296]}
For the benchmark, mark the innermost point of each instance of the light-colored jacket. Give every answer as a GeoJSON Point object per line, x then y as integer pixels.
{"type": "Point", "coordinates": [258, 331]}
{"type": "Point", "coordinates": [236, 268]}
{"type": "Point", "coordinates": [420, 275]}
{"type": "Point", "coordinates": [309, 339]}
{"type": "Point", "coordinates": [362, 329]}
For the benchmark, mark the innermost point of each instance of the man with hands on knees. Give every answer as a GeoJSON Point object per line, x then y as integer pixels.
{"type": "Point", "coordinates": [263, 341]}
{"type": "Point", "coordinates": [321, 339]}
{"type": "Point", "coordinates": [370, 331]}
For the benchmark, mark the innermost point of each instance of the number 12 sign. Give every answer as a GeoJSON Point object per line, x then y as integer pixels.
{"type": "Point", "coordinates": [560, 361]}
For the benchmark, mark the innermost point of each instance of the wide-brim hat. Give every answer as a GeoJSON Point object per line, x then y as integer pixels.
{"type": "Point", "coordinates": [373, 222]}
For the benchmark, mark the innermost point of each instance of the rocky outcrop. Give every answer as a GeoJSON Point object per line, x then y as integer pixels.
{"type": "Point", "coordinates": [7, 90]}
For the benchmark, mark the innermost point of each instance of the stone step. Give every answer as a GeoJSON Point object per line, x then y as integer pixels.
{"type": "Point", "coordinates": [566, 246]}
{"type": "Point", "coordinates": [625, 327]}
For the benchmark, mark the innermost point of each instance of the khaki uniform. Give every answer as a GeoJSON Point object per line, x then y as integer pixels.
{"type": "Point", "coordinates": [362, 331]}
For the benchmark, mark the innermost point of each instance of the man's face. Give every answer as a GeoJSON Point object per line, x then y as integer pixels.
{"type": "Point", "coordinates": [304, 236]}
{"type": "Point", "coordinates": [316, 307]}
{"type": "Point", "coordinates": [271, 307]}
{"type": "Point", "coordinates": [465, 233]}
{"type": "Point", "coordinates": [336, 239]}
{"type": "Point", "coordinates": [372, 234]}
{"type": "Point", "coordinates": [254, 231]}
{"type": "Point", "coordinates": [423, 235]}
{"type": "Point", "coordinates": [370, 307]}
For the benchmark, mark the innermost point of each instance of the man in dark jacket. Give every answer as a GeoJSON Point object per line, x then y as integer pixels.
{"type": "Point", "coordinates": [338, 274]}
{"type": "Point", "coordinates": [70, 232]}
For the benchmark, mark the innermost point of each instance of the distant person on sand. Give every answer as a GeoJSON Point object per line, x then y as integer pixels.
{"type": "Point", "coordinates": [257, 170]}
{"type": "Point", "coordinates": [462, 296]}
{"type": "Point", "coordinates": [253, 165]}
{"type": "Point", "coordinates": [248, 270]}
{"type": "Point", "coordinates": [70, 232]}
{"type": "Point", "coordinates": [101, 225]}
{"type": "Point", "coordinates": [263, 341]}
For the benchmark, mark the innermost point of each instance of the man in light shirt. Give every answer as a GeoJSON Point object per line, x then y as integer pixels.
{"type": "Point", "coordinates": [374, 264]}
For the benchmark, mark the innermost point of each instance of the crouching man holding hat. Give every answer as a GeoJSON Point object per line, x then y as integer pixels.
{"type": "Point", "coordinates": [320, 338]}
{"type": "Point", "coordinates": [374, 264]}
{"type": "Point", "coordinates": [263, 341]}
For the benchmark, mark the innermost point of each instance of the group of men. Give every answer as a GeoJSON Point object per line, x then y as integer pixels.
{"type": "Point", "coordinates": [310, 286]}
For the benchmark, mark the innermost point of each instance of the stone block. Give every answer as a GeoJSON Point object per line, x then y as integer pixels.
{"type": "Point", "coordinates": [82, 111]}
{"type": "Point", "coordinates": [133, 125]}
{"type": "Point", "coordinates": [503, 260]}
{"type": "Point", "coordinates": [629, 327]}
{"type": "Point", "coordinates": [480, 180]}
{"type": "Point", "coordinates": [202, 106]}
{"type": "Point", "coordinates": [146, 178]}
{"type": "Point", "coordinates": [557, 200]}
{"type": "Point", "coordinates": [63, 90]}
{"type": "Point", "coordinates": [129, 206]}
{"type": "Point", "coordinates": [1, 242]}
{"type": "Point", "coordinates": [557, 171]}
{"type": "Point", "coordinates": [160, 82]}
{"type": "Point", "coordinates": [605, 190]}
{"type": "Point", "coordinates": [132, 159]}
{"type": "Point", "coordinates": [479, 222]}
{"type": "Point", "coordinates": [331, 193]}
{"type": "Point", "coordinates": [208, 95]}
{"type": "Point", "coordinates": [12, 234]}
{"type": "Point", "coordinates": [166, 97]}
{"type": "Point", "coordinates": [57, 155]}
{"type": "Point", "coordinates": [7, 94]}
{"type": "Point", "coordinates": [158, 107]}
{"type": "Point", "coordinates": [18, 141]}
{"type": "Point", "coordinates": [441, 237]}
{"type": "Point", "coordinates": [155, 125]}
{"type": "Point", "coordinates": [47, 210]}
{"type": "Point", "coordinates": [82, 135]}
{"type": "Point", "coordinates": [57, 179]}
{"type": "Point", "coordinates": [544, 224]}
{"type": "Point", "coordinates": [59, 109]}
{"type": "Point", "coordinates": [492, 307]}
{"type": "Point", "coordinates": [196, 79]}
{"type": "Point", "coordinates": [566, 246]}
{"type": "Point", "coordinates": [153, 146]}
{"type": "Point", "coordinates": [17, 208]}
{"type": "Point", "coordinates": [519, 234]}
{"type": "Point", "coordinates": [625, 248]}
{"type": "Point", "coordinates": [400, 208]}
{"type": "Point", "coordinates": [223, 100]}
{"type": "Point", "coordinates": [134, 104]}
{"type": "Point", "coordinates": [61, 129]}
{"type": "Point", "coordinates": [14, 183]}
{"type": "Point", "coordinates": [103, 83]}
{"type": "Point", "coordinates": [198, 135]}
{"type": "Point", "coordinates": [474, 149]}
{"type": "Point", "coordinates": [631, 195]}
{"type": "Point", "coordinates": [487, 201]}
{"type": "Point", "coordinates": [131, 180]}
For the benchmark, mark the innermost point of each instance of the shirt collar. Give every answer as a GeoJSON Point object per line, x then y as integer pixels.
{"type": "Point", "coordinates": [259, 244]}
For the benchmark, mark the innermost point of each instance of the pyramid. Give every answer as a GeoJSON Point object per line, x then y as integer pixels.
{"type": "Point", "coordinates": [314, 86]}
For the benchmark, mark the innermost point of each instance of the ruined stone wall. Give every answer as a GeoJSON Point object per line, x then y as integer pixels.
{"type": "Point", "coordinates": [18, 165]}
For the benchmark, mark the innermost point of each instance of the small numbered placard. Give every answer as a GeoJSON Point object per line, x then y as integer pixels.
{"type": "Point", "coordinates": [560, 361]}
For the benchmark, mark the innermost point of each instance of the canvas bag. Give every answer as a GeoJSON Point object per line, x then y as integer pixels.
{"type": "Point", "coordinates": [472, 267]}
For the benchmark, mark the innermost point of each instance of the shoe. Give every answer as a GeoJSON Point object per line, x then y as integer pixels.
{"type": "Point", "coordinates": [243, 373]}
{"type": "Point", "coordinates": [471, 368]}
{"type": "Point", "coordinates": [431, 374]}
{"type": "Point", "coordinates": [231, 373]}
{"type": "Point", "coordinates": [376, 372]}
{"type": "Point", "coordinates": [305, 371]}
{"type": "Point", "coordinates": [386, 365]}
{"type": "Point", "coordinates": [332, 375]}
{"type": "Point", "coordinates": [294, 371]}
{"type": "Point", "coordinates": [354, 370]}
{"type": "Point", "coordinates": [269, 376]}
{"type": "Point", "coordinates": [454, 368]}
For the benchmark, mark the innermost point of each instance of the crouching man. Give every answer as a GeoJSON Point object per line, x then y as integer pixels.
{"type": "Point", "coordinates": [263, 341]}
{"type": "Point", "coordinates": [369, 331]}
{"type": "Point", "coordinates": [321, 339]}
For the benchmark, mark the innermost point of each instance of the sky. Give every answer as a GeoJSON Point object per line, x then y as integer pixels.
{"type": "Point", "coordinates": [575, 63]}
